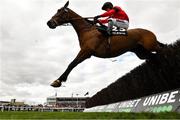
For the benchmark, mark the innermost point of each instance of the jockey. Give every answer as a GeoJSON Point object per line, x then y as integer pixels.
{"type": "Point", "coordinates": [116, 17]}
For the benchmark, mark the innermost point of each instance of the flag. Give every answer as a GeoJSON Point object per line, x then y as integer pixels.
{"type": "Point", "coordinates": [86, 94]}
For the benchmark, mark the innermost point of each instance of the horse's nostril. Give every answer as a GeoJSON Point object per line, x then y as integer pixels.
{"type": "Point", "coordinates": [51, 24]}
{"type": "Point", "coordinates": [48, 23]}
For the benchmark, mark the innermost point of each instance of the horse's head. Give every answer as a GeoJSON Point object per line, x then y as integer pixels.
{"type": "Point", "coordinates": [61, 17]}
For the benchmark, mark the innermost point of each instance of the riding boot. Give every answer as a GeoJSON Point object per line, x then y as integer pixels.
{"type": "Point", "coordinates": [109, 31]}
{"type": "Point", "coordinates": [110, 26]}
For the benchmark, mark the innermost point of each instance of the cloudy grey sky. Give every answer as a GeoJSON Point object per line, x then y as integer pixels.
{"type": "Point", "coordinates": [31, 54]}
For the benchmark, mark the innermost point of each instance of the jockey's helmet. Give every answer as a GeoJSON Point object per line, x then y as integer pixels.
{"type": "Point", "coordinates": [107, 5]}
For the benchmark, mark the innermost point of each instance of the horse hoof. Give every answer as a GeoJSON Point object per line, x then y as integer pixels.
{"type": "Point", "coordinates": [56, 83]}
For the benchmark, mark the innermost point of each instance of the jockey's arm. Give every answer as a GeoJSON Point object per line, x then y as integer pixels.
{"type": "Point", "coordinates": [108, 13]}
{"type": "Point", "coordinates": [103, 21]}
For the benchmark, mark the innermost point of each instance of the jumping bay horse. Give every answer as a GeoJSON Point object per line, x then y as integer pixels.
{"type": "Point", "coordinates": [93, 43]}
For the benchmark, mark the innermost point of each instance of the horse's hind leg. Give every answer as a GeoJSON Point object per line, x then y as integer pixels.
{"type": "Point", "coordinates": [153, 45]}
{"type": "Point", "coordinates": [143, 53]}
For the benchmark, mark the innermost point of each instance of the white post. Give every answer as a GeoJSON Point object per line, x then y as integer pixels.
{"type": "Point", "coordinates": [77, 100]}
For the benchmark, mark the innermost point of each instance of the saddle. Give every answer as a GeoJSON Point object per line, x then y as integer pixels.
{"type": "Point", "coordinates": [114, 31]}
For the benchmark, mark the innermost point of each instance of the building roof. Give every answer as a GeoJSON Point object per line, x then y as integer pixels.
{"type": "Point", "coordinates": [69, 98]}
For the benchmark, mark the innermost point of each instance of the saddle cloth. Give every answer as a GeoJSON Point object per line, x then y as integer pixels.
{"type": "Point", "coordinates": [115, 31]}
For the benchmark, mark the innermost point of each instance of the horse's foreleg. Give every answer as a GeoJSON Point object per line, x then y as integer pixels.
{"type": "Point", "coordinates": [82, 55]}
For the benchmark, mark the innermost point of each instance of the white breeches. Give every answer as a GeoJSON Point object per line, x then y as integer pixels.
{"type": "Point", "coordinates": [118, 23]}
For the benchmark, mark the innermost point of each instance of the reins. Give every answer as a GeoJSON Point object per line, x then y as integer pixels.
{"type": "Point", "coordinates": [83, 18]}
{"type": "Point", "coordinates": [77, 18]}
{"type": "Point", "coordinates": [68, 24]}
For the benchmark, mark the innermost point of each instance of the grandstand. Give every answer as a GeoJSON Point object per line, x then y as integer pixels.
{"type": "Point", "coordinates": [61, 104]}
{"type": "Point", "coordinates": [73, 104]}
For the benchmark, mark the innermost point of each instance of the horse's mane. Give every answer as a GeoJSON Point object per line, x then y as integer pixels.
{"type": "Point", "coordinates": [89, 23]}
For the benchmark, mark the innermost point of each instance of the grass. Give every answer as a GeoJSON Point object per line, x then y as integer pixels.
{"type": "Point", "coordinates": [81, 115]}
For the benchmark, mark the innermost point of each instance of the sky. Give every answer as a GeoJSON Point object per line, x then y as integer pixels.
{"type": "Point", "coordinates": [32, 55]}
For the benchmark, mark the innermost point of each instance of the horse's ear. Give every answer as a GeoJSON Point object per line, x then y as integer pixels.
{"type": "Point", "coordinates": [66, 5]}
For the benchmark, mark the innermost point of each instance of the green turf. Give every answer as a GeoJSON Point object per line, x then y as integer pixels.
{"type": "Point", "coordinates": [81, 115]}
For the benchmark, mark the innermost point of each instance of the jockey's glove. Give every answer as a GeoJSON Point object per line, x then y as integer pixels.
{"type": "Point", "coordinates": [96, 17]}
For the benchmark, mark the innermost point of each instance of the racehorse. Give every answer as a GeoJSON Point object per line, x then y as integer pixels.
{"type": "Point", "coordinates": [94, 43]}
